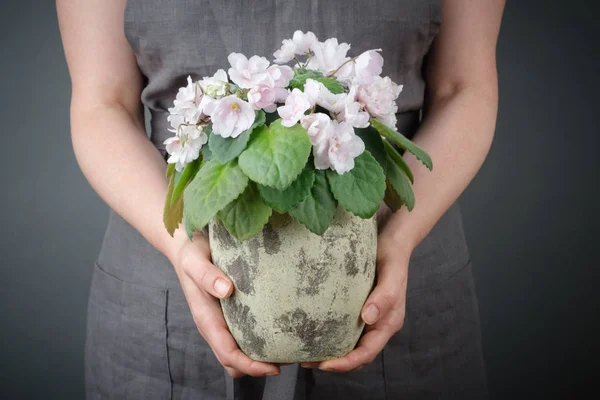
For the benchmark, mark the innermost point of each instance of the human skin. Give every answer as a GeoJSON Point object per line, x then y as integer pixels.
{"type": "Point", "coordinates": [127, 171]}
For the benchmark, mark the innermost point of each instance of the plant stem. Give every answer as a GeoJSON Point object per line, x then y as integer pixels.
{"type": "Point", "coordinates": [338, 68]}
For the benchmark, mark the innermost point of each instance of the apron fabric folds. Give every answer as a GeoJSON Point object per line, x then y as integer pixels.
{"type": "Point", "coordinates": [141, 339]}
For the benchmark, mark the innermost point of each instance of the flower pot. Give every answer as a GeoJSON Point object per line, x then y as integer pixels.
{"type": "Point", "coordinates": [298, 295]}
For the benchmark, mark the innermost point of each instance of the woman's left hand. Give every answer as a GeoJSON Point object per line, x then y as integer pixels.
{"type": "Point", "coordinates": [383, 312]}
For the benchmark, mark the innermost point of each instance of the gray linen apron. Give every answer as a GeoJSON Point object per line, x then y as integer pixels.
{"type": "Point", "coordinates": [141, 339]}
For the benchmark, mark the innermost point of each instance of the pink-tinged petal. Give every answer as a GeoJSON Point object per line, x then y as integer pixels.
{"type": "Point", "coordinates": [312, 90]}
{"type": "Point", "coordinates": [238, 61]}
{"type": "Point", "coordinates": [286, 52]}
{"type": "Point", "coordinates": [368, 65]}
{"type": "Point", "coordinates": [257, 64]}
{"type": "Point", "coordinates": [303, 41]}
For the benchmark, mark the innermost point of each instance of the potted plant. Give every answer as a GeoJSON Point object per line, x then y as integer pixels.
{"type": "Point", "coordinates": [287, 167]}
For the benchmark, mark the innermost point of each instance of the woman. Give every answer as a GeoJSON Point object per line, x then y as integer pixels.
{"type": "Point", "coordinates": [155, 329]}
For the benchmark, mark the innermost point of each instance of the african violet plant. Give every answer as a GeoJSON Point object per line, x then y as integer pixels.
{"type": "Point", "coordinates": [297, 140]}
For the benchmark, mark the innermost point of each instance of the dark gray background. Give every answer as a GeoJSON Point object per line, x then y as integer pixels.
{"type": "Point", "coordinates": [530, 215]}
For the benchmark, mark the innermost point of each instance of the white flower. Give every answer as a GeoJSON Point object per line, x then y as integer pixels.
{"type": "Point", "coordinates": [184, 147]}
{"type": "Point", "coordinates": [281, 75]}
{"type": "Point", "coordinates": [335, 145]}
{"type": "Point", "coordinates": [295, 106]}
{"type": "Point", "coordinates": [187, 103]}
{"type": "Point", "coordinates": [286, 52]}
{"type": "Point", "coordinates": [353, 114]}
{"type": "Point", "coordinates": [367, 66]}
{"type": "Point", "coordinates": [329, 56]}
{"type": "Point", "coordinates": [303, 41]}
{"type": "Point", "coordinates": [230, 116]}
{"type": "Point", "coordinates": [265, 97]}
{"type": "Point", "coordinates": [379, 99]}
{"type": "Point", "coordinates": [175, 120]}
{"type": "Point", "coordinates": [247, 72]}
{"type": "Point", "coordinates": [215, 86]}
{"type": "Point", "coordinates": [344, 146]}
{"type": "Point", "coordinates": [319, 127]}
{"type": "Point", "coordinates": [312, 90]}
{"type": "Point", "coordinates": [332, 102]}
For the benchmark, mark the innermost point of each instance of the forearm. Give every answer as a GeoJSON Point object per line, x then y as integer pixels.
{"type": "Point", "coordinates": [457, 133]}
{"type": "Point", "coordinates": [124, 168]}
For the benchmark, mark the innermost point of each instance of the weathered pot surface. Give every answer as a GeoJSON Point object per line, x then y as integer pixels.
{"type": "Point", "coordinates": [297, 295]}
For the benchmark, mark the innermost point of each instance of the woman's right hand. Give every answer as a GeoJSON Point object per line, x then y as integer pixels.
{"type": "Point", "coordinates": [203, 283]}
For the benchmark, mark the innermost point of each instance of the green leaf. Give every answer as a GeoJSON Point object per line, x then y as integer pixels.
{"type": "Point", "coordinates": [361, 189]}
{"type": "Point", "coordinates": [206, 153]}
{"type": "Point", "coordinates": [184, 177]}
{"type": "Point", "coordinates": [300, 77]}
{"type": "Point", "coordinates": [170, 170]}
{"type": "Point", "coordinates": [391, 198]}
{"type": "Point", "coordinates": [172, 215]}
{"type": "Point", "coordinates": [402, 141]}
{"type": "Point", "coordinates": [397, 158]}
{"type": "Point", "coordinates": [284, 200]}
{"type": "Point", "coordinates": [214, 187]}
{"type": "Point", "coordinates": [271, 117]}
{"type": "Point", "coordinates": [332, 84]}
{"type": "Point", "coordinates": [373, 143]}
{"type": "Point", "coordinates": [188, 224]}
{"type": "Point", "coordinates": [246, 215]}
{"type": "Point", "coordinates": [226, 149]}
{"type": "Point", "coordinates": [401, 183]}
{"type": "Point", "coordinates": [316, 211]}
{"type": "Point", "coordinates": [276, 155]}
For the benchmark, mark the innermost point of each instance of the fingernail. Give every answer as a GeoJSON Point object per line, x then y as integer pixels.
{"type": "Point", "coordinates": [221, 287]}
{"type": "Point", "coordinates": [272, 373]}
{"type": "Point", "coordinates": [371, 314]}
{"type": "Point", "coordinates": [329, 369]}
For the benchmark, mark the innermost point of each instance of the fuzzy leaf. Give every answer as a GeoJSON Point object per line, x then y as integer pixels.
{"type": "Point", "coordinates": [332, 84]}
{"type": "Point", "coordinates": [316, 211]}
{"type": "Point", "coordinates": [172, 215]}
{"type": "Point", "coordinates": [284, 200]}
{"type": "Point", "coordinates": [170, 170]}
{"type": "Point", "coordinates": [373, 143]}
{"type": "Point", "coordinates": [300, 77]}
{"type": "Point", "coordinates": [391, 198]}
{"type": "Point", "coordinates": [184, 177]}
{"type": "Point", "coordinates": [276, 155]}
{"type": "Point", "coordinates": [401, 183]}
{"type": "Point", "coordinates": [397, 158]}
{"type": "Point", "coordinates": [213, 188]}
{"type": "Point", "coordinates": [206, 153]}
{"type": "Point", "coordinates": [246, 215]}
{"type": "Point", "coordinates": [361, 189]}
{"type": "Point", "coordinates": [402, 141]}
{"type": "Point", "coordinates": [226, 149]}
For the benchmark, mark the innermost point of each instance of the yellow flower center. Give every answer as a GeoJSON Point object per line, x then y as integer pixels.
{"type": "Point", "coordinates": [234, 106]}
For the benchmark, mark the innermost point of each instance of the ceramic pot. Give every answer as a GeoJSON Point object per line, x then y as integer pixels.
{"type": "Point", "coordinates": [297, 295]}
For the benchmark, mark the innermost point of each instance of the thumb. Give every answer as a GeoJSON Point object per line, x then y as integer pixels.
{"type": "Point", "coordinates": [379, 302]}
{"type": "Point", "coordinates": [389, 292]}
{"type": "Point", "coordinates": [209, 277]}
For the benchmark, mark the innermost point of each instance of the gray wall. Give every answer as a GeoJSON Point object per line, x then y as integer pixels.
{"type": "Point", "coordinates": [531, 214]}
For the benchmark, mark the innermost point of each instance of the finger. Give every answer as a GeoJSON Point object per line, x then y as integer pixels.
{"type": "Point", "coordinates": [206, 275]}
{"type": "Point", "coordinates": [214, 329]}
{"type": "Point", "coordinates": [234, 373]}
{"type": "Point", "coordinates": [369, 346]}
{"type": "Point", "coordinates": [387, 295]}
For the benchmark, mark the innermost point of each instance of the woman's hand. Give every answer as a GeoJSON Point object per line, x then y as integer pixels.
{"type": "Point", "coordinates": [383, 312]}
{"type": "Point", "coordinates": [202, 283]}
